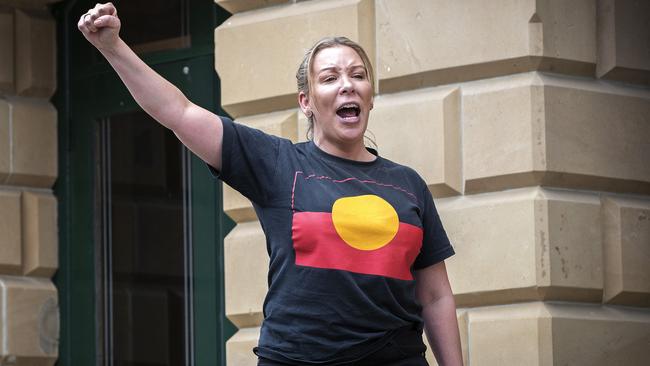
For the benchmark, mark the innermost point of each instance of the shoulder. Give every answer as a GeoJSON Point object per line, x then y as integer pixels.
{"type": "Point", "coordinates": [256, 137]}
{"type": "Point", "coordinates": [404, 172]}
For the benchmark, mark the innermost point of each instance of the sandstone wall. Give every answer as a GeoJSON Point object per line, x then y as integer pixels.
{"type": "Point", "coordinates": [529, 120]}
{"type": "Point", "coordinates": [29, 314]}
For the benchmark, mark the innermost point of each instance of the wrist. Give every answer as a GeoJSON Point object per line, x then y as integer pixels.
{"type": "Point", "coordinates": [111, 49]}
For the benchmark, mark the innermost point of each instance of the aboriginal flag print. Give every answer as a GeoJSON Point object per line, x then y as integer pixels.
{"type": "Point", "coordinates": [355, 225]}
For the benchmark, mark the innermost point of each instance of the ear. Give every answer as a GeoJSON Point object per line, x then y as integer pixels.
{"type": "Point", "coordinates": [303, 102]}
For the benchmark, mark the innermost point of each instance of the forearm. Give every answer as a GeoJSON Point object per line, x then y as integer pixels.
{"type": "Point", "coordinates": [197, 128]}
{"type": "Point", "coordinates": [157, 96]}
{"type": "Point", "coordinates": [441, 327]}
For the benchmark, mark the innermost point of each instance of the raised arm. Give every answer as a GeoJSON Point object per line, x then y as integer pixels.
{"type": "Point", "coordinates": [197, 128]}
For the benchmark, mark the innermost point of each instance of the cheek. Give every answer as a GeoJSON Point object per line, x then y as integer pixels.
{"type": "Point", "coordinates": [324, 104]}
{"type": "Point", "coordinates": [369, 92]}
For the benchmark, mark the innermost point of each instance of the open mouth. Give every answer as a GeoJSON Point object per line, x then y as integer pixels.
{"type": "Point", "coordinates": [348, 110]}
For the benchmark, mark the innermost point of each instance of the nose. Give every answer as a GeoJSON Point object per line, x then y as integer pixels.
{"type": "Point", "coordinates": [346, 85]}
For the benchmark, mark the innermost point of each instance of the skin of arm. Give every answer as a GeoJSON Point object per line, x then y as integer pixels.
{"type": "Point", "coordinates": [439, 313]}
{"type": "Point", "coordinates": [198, 129]}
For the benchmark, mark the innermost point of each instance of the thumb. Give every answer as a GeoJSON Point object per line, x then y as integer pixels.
{"type": "Point", "coordinates": [109, 21]}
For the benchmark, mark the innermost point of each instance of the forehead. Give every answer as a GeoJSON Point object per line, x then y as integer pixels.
{"type": "Point", "coordinates": [337, 56]}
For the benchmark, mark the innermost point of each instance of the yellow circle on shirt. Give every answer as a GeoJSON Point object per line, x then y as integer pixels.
{"type": "Point", "coordinates": [365, 222]}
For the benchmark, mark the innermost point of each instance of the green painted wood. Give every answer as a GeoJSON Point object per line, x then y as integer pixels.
{"type": "Point", "coordinates": [209, 227]}
{"type": "Point", "coordinates": [75, 277]}
{"type": "Point", "coordinates": [87, 90]}
{"type": "Point", "coordinates": [211, 327]}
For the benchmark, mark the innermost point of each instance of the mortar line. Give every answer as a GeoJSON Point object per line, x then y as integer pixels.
{"type": "Point", "coordinates": [3, 317]}
{"type": "Point", "coordinates": [11, 142]}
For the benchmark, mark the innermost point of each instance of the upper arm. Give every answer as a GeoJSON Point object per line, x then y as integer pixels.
{"type": "Point", "coordinates": [432, 283]}
{"type": "Point", "coordinates": [201, 131]}
{"type": "Point", "coordinates": [436, 246]}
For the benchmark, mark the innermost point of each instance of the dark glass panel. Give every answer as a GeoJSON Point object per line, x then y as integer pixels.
{"type": "Point", "coordinates": [154, 25]}
{"type": "Point", "coordinates": [146, 243]}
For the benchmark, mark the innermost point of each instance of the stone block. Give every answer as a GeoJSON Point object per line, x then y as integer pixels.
{"type": "Point", "coordinates": [7, 47]}
{"type": "Point", "coordinates": [626, 233]}
{"type": "Point", "coordinates": [427, 43]}
{"type": "Point", "coordinates": [486, 230]}
{"type": "Point", "coordinates": [599, 335]}
{"type": "Point", "coordinates": [35, 54]}
{"type": "Point", "coordinates": [623, 45]}
{"type": "Point", "coordinates": [30, 321]}
{"type": "Point", "coordinates": [238, 6]}
{"type": "Point", "coordinates": [239, 347]}
{"type": "Point", "coordinates": [597, 136]}
{"type": "Point", "coordinates": [510, 335]}
{"type": "Point", "coordinates": [270, 44]}
{"type": "Point", "coordinates": [503, 132]}
{"type": "Point", "coordinates": [538, 129]}
{"type": "Point", "coordinates": [421, 129]}
{"type": "Point", "coordinates": [558, 334]}
{"type": "Point", "coordinates": [11, 237]}
{"type": "Point", "coordinates": [40, 234]}
{"type": "Point", "coordinates": [5, 140]}
{"type": "Point", "coordinates": [245, 273]}
{"type": "Point", "coordinates": [569, 253]}
{"type": "Point", "coordinates": [34, 143]}
{"type": "Point", "coordinates": [522, 245]}
{"type": "Point", "coordinates": [568, 35]}
{"type": "Point", "coordinates": [283, 124]}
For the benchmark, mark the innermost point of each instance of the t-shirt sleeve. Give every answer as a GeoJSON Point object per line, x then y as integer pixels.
{"type": "Point", "coordinates": [435, 243]}
{"type": "Point", "coordinates": [248, 160]}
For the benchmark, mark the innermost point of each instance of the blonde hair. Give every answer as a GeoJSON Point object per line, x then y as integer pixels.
{"type": "Point", "coordinates": [303, 75]}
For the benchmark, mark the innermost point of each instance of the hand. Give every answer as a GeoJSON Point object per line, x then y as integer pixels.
{"type": "Point", "coordinates": [101, 26]}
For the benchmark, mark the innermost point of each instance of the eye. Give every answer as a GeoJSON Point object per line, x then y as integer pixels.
{"type": "Point", "coordinates": [328, 79]}
{"type": "Point", "coordinates": [359, 76]}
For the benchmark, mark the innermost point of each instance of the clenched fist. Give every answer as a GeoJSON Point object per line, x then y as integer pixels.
{"type": "Point", "coordinates": [101, 26]}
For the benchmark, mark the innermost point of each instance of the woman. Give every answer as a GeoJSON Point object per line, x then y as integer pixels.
{"type": "Point", "coordinates": [356, 246]}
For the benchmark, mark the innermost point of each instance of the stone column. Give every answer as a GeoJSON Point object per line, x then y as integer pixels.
{"type": "Point", "coordinates": [529, 120]}
{"type": "Point", "coordinates": [29, 315]}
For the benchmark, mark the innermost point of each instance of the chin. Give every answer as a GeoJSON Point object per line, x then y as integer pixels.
{"type": "Point", "coordinates": [352, 136]}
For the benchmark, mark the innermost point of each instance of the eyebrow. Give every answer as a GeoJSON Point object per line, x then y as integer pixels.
{"type": "Point", "coordinates": [335, 68]}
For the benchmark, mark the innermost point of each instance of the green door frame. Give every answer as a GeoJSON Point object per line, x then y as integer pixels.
{"type": "Point", "coordinates": [81, 99]}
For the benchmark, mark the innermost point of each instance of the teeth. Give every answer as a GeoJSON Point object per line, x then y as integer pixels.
{"type": "Point", "coordinates": [349, 105]}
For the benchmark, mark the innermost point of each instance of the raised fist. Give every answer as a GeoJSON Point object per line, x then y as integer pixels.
{"type": "Point", "coordinates": [101, 26]}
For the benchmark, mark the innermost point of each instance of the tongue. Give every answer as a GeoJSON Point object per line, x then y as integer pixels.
{"type": "Point", "coordinates": [347, 112]}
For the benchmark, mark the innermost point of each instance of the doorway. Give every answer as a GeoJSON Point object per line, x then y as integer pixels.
{"type": "Point", "coordinates": [141, 223]}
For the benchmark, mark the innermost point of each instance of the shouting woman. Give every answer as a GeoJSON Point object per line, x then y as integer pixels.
{"type": "Point", "coordinates": [356, 246]}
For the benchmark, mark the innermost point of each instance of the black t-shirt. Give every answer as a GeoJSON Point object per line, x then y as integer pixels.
{"type": "Point", "coordinates": [344, 238]}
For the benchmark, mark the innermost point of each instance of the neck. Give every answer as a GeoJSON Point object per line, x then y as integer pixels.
{"type": "Point", "coordinates": [354, 151]}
